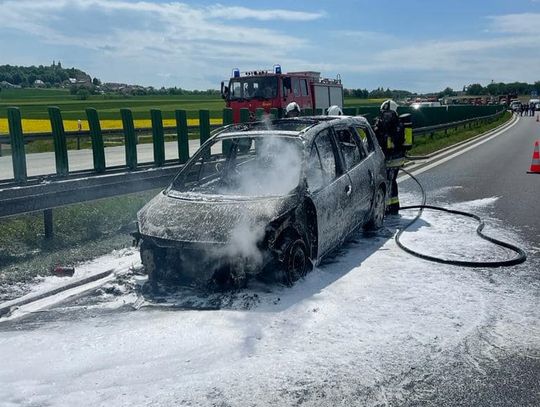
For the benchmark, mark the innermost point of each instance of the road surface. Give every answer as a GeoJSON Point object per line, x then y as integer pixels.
{"type": "Point", "coordinates": [371, 326]}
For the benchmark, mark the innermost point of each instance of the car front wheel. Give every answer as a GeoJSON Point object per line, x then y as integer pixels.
{"type": "Point", "coordinates": [296, 262]}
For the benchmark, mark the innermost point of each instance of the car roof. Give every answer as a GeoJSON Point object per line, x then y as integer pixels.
{"type": "Point", "coordinates": [305, 127]}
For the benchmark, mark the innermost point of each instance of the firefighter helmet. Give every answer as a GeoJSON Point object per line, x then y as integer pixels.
{"type": "Point", "coordinates": [292, 110]}
{"type": "Point", "coordinates": [334, 111]}
{"type": "Point", "coordinates": [389, 105]}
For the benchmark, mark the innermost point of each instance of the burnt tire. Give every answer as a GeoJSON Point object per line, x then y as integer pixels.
{"type": "Point", "coordinates": [296, 263]}
{"type": "Point", "coordinates": [378, 209]}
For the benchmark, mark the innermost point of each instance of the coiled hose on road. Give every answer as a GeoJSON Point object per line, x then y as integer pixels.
{"type": "Point", "coordinates": [520, 257]}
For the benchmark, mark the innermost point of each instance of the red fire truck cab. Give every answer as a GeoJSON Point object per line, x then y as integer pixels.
{"type": "Point", "coordinates": [273, 89]}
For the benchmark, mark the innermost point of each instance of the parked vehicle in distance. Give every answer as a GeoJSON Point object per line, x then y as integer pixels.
{"type": "Point", "coordinates": [515, 105]}
{"type": "Point", "coordinates": [265, 196]}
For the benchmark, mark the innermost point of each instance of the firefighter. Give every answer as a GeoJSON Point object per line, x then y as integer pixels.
{"type": "Point", "coordinates": [334, 111]}
{"type": "Point", "coordinates": [292, 110]}
{"type": "Point", "coordinates": [390, 131]}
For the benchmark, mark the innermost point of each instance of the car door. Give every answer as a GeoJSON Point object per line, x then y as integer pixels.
{"type": "Point", "coordinates": [359, 168]}
{"type": "Point", "coordinates": [330, 190]}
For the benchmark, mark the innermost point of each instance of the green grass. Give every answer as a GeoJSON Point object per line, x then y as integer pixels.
{"type": "Point", "coordinates": [34, 102]}
{"type": "Point", "coordinates": [363, 102]}
{"type": "Point", "coordinates": [427, 144]}
{"type": "Point", "coordinates": [81, 231]}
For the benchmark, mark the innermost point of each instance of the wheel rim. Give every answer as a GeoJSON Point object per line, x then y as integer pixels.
{"type": "Point", "coordinates": [296, 267]}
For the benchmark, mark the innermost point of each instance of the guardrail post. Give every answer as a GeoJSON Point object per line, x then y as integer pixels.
{"type": "Point", "coordinates": [182, 135]}
{"type": "Point", "coordinates": [130, 138]}
{"type": "Point", "coordinates": [227, 119]}
{"type": "Point", "coordinates": [98, 148]}
{"type": "Point", "coordinates": [244, 115]}
{"type": "Point", "coordinates": [17, 144]}
{"type": "Point", "coordinates": [60, 145]}
{"type": "Point", "coordinates": [158, 137]}
{"type": "Point", "coordinates": [48, 223]}
{"type": "Point", "coordinates": [204, 125]}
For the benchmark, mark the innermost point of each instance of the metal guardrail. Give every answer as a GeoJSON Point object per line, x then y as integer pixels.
{"type": "Point", "coordinates": [446, 126]}
{"type": "Point", "coordinates": [5, 139]}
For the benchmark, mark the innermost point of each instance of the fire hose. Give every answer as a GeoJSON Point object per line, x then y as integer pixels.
{"type": "Point", "coordinates": [519, 258]}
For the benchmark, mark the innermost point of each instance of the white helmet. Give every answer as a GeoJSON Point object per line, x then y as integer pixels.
{"type": "Point", "coordinates": [292, 109]}
{"type": "Point", "coordinates": [389, 105]}
{"type": "Point", "coordinates": [334, 111]}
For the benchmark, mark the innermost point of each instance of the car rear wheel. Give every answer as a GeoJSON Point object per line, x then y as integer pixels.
{"type": "Point", "coordinates": [296, 262]}
{"type": "Point", "coordinates": [378, 209]}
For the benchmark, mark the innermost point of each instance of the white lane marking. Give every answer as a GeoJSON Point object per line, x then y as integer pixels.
{"type": "Point", "coordinates": [448, 158]}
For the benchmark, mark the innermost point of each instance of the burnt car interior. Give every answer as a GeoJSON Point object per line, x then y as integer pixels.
{"type": "Point", "coordinates": [249, 166]}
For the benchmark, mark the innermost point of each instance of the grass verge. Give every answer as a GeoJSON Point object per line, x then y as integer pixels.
{"type": "Point", "coordinates": [428, 144]}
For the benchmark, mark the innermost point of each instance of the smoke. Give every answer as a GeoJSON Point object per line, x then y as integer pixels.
{"type": "Point", "coordinates": [274, 171]}
{"type": "Point", "coordinates": [243, 240]}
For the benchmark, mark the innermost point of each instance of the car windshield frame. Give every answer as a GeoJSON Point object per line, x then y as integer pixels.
{"type": "Point", "coordinates": [177, 188]}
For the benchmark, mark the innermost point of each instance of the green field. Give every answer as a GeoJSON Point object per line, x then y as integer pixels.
{"type": "Point", "coordinates": [34, 102]}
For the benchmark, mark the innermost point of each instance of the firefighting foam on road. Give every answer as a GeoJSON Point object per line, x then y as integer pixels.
{"type": "Point", "coordinates": [267, 343]}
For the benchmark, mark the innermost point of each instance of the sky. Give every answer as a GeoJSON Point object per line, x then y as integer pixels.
{"type": "Point", "coordinates": [417, 45]}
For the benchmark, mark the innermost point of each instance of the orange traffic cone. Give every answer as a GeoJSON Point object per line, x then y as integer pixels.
{"type": "Point", "coordinates": [535, 165]}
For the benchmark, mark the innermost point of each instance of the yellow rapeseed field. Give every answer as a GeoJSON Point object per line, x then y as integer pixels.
{"type": "Point", "coordinates": [44, 126]}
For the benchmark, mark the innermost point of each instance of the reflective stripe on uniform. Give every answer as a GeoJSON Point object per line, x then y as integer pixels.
{"type": "Point", "coordinates": [392, 201]}
{"type": "Point", "coordinates": [389, 143]}
{"type": "Point", "coordinates": [408, 137]}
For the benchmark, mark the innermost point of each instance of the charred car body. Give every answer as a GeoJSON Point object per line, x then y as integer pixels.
{"type": "Point", "coordinates": [276, 195]}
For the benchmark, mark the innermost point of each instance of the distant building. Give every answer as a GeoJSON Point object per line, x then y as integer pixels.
{"type": "Point", "coordinates": [38, 83]}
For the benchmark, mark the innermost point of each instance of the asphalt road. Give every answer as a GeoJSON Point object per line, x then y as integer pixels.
{"type": "Point", "coordinates": [497, 168]}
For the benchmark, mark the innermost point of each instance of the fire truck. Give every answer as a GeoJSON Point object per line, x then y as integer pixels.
{"type": "Point", "coordinates": [274, 89]}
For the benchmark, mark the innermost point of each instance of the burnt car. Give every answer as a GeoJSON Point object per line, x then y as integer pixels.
{"type": "Point", "coordinates": [269, 195]}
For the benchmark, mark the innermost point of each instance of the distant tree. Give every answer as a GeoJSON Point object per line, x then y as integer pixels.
{"type": "Point", "coordinates": [83, 94]}
{"type": "Point", "coordinates": [475, 89]}
{"type": "Point", "coordinates": [96, 82]}
{"type": "Point", "coordinates": [448, 91]}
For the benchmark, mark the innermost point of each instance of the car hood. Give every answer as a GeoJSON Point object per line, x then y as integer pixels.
{"type": "Point", "coordinates": [209, 221]}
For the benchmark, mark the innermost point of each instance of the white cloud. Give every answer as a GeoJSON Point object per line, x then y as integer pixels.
{"type": "Point", "coordinates": [240, 13]}
{"type": "Point", "coordinates": [523, 23]}
{"type": "Point", "coordinates": [189, 40]}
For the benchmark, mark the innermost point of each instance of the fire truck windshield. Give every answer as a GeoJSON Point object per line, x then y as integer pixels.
{"type": "Point", "coordinates": [253, 87]}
